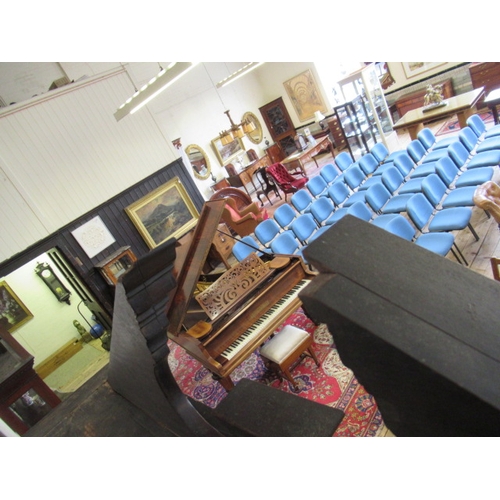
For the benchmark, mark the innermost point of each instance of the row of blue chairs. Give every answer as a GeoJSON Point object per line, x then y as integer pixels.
{"type": "Point", "coordinates": [431, 181]}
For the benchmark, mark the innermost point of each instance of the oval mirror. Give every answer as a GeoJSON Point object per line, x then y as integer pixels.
{"type": "Point", "coordinates": [199, 161]}
{"type": "Point", "coordinates": [256, 135]}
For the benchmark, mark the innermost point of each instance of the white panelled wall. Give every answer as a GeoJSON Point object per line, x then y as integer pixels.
{"type": "Point", "coordinates": [66, 154]}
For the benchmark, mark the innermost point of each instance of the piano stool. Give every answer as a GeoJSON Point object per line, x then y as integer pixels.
{"type": "Point", "coordinates": [287, 348]}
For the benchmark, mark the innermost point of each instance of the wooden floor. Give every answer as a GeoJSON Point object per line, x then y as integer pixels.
{"type": "Point", "coordinates": [476, 253]}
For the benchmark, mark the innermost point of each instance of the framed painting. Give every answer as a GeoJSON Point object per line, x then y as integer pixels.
{"type": "Point", "coordinates": [305, 95]}
{"type": "Point", "coordinates": [228, 152]}
{"type": "Point", "coordinates": [416, 68]}
{"type": "Point", "coordinates": [13, 313]}
{"type": "Point", "coordinates": [167, 212]}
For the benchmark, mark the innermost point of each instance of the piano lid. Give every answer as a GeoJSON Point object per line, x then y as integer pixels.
{"type": "Point", "coordinates": [196, 256]}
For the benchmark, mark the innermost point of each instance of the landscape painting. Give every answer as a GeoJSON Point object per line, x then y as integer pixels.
{"type": "Point", "coordinates": [167, 212]}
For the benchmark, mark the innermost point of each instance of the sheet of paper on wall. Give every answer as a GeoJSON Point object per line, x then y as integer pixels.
{"type": "Point", "coordinates": [93, 236]}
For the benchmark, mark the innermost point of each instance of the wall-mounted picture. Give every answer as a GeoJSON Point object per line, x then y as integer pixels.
{"type": "Point", "coordinates": [226, 153]}
{"type": "Point", "coordinates": [415, 68]}
{"type": "Point", "coordinates": [167, 212]}
{"type": "Point", "coordinates": [93, 236]}
{"type": "Point", "coordinates": [305, 95]}
{"type": "Point", "coordinates": [13, 313]}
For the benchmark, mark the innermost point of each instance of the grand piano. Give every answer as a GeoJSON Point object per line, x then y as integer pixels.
{"type": "Point", "coordinates": [224, 324]}
{"type": "Point", "coordinates": [155, 300]}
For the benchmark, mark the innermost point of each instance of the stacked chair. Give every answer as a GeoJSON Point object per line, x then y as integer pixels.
{"type": "Point", "coordinates": [423, 193]}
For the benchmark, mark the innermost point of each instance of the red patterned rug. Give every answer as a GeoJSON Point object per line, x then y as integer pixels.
{"type": "Point", "coordinates": [331, 383]}
{"type": "Point", "coordinates": [452, 124]}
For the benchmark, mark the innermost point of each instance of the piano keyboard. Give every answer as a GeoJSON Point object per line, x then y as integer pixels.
{"type": "Point", "coordinates": [263, 322]}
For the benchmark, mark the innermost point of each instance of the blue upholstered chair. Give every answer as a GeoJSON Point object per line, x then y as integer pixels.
{"type": "Point", "coordinates": [245, 246]}
{"type": "Point", "coordinates": [266, 231]}
{"type": "Point", "coordinates": [304, 226]}
{"type": "Point", "coordinates": [354, 178]}
{"type": "Point", "coordinates": [322, 209]}
{"type": "Point", "coordinates": [377, 196]}
{"type": "Point", "coordinates": [382, 201]}
{"type": "Point", "coordinates": [329, 173]}
{"type": "Point", "coordinates": [301, 201]}
{"type": "Point", "coordinates": [439, 243]}
{"type": "Point", "coordinates": [416, 151]}
{"type": "Point", "coordinates": [431, 142]}
{"type": "Point", "coordinates": [437, 192]}
{"type": "Point", "coordinates": [317, 186]}
{"type": "Point", "coordinates": [286, 244]}
{"type": "Point", "coordinates": [422, 213]}
{"type": "Point", "coordinates": [405, 164]}
{"type": "Point", "coordinates": [368, 164]}
{"type": "Point", "coordinates": [382, 154]}
{"type": "Point", "coordinates": [476, 123]}
{"type": "Point", "coordinates": [370, 167]}
{"type": "Point", "coordinates": [358, 209]}
{"type": "Point", "coordinates": [452, 176]}
{"type": "Point", "coordinates": [468, 138]}
{"type": "Point", "coordinates": [343, 161]}
{"type": "Point", "coordinates": [392, 179]}
{"type": "Point", "coordinates": [339, 192]}
{"type": "Point", "coordinates": [284, 215]}
{"type": "Point", "coordinates": [459, 154]}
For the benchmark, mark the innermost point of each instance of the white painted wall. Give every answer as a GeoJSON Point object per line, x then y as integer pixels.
{"type": "Point", "coordinates": [63, 153]}
{"type": "Point", "coordinates": [52, 324]}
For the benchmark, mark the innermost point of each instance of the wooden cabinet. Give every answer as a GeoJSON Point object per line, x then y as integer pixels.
{"type": "Point", "coordinates": [118, 263]}
{"type": "Point", "coordinates": [274, 153]}
{"type": "Point", "coordinates": [336, 132]}
{"type": "Point", "coordinates": [222, 246]}
{"type": "Point", "coordinates": [280, 125]}
{"type": "Point", "coordinates": [487, 75]}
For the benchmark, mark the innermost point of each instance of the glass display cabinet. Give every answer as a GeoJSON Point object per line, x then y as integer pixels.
{"type": "Point", "coordinates": [356, 125]}
{"type": "Point", "coordinates": [365, 82]}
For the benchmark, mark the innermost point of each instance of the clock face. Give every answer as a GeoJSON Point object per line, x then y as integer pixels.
{"type": "Point", "coordinates": [46, 273]}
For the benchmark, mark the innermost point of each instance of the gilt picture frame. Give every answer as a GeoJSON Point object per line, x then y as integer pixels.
{"type": "Point", "coordinates": [167, 212]}
{"type": "Point", "coordinates": [412, 69]}
{"type": "Point", "coordinates": [13, 312]}
{"type": "Point", "coordinates": [305, 95]}
{"type": "Point", "coordinates": [228, 152]}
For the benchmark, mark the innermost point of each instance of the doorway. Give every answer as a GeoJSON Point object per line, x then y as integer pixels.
{"type": "Point", "coordinates": [69, 338]}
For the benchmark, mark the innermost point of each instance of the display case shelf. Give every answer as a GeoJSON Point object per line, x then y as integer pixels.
{"type": "Point", "coordinates": [356, 126]}
{"type": "Point", "coordinates": [365, 84]}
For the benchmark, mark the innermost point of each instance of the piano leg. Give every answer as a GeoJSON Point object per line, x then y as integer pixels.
{"type": "Point", "coordinates": [226, 382]}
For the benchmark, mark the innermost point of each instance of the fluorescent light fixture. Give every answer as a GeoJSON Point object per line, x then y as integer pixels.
{"type": "Point", "coordinates": [156, 85]}
{"type": "Point", "coordinates": [238, 74]}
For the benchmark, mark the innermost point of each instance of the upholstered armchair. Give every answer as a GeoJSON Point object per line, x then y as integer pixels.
{"type": "Point", "coordinates": [244, 221]}
{"type": "Point", "coordinates": [487, 197]}
{"type": "Point", "coordinates": [285, 180]}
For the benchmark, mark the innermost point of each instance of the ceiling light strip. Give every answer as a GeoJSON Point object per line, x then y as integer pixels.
{"type": "Point", "coordinates": [154, 87]}
{"type": "Point", "coordinates": [238, 74]}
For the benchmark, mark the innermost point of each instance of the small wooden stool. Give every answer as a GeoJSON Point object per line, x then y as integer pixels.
{"type": "Point", "coordinates": [286, 348]}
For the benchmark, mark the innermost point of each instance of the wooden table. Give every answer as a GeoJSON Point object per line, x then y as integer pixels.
{"type": "Point", "coordinates": [462, 105]}
{"type": "Point", "coordinates": [300, 158]}
{"type": "Point", "coordinates": [241, 179]}
{"type": "Point", "coordinates": [492, 100]}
